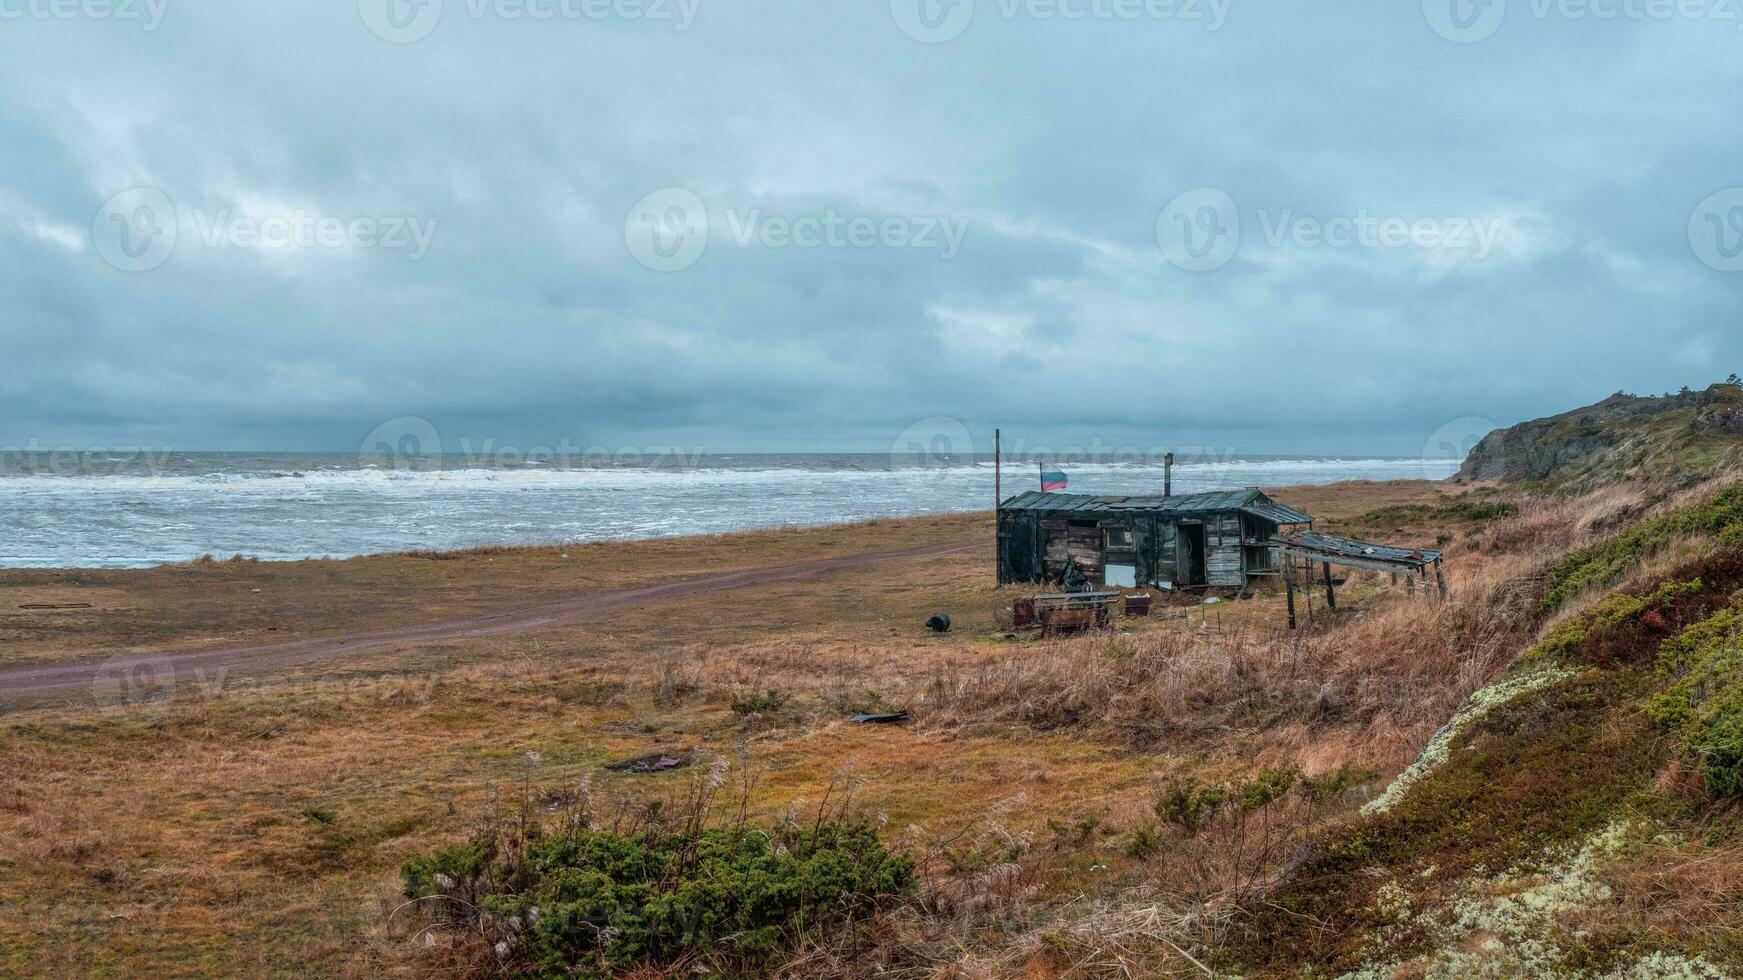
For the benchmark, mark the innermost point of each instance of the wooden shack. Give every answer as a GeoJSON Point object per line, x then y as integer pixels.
{"type": "Point", "coordinates": [1203, 540]}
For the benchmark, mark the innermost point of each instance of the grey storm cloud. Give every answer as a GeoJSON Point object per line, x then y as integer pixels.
{"type": "Point", "coordinates": [386, 208]}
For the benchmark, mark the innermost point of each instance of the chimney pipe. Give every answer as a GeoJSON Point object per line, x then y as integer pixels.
{"type": "Point", "coordinates": [1168, 475]}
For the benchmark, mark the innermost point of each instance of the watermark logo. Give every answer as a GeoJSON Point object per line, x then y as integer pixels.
{"type": "Point", "coordinates": [832, 228]}
{"type": "Point", "coordinates": [37, 458]}
{"type": "Point", "coordinates": [406, 21]}
{"type": "Point", "coordinates": [1199, 230]}
{"type": "Point", "coordinates": [405, 443]}
{"type": "Point", "coordinates": [1465, 21]}
{"type": "Point", "coordinates": [138, 229]}
{"type": "Point", "coordinates": [938, 21]}
{"type": "Point", "coordinates": [932, 21]}
{"type": "Point", "coordinates": [412, 443]}
{"type": "Point", "coordinates": [1470, 21]}
{"type": "Point", "coordinates": [667, 231]}
{"type": "Point", "coordinates": [400, 21]}
{"type": "Point", "coordinates": [147, 13]}
{"type": "Point", "coordinates": [936, 442]}
{"type": "Point", "coordinates": [1449, 446]}
{"type": "Point", "coordinates": [299, 229]}
{"type": "Point", "coordinates": [135, 231]}
{"type": "Point", "coordinates": [131, 680]}
{"type": "Point", "coordinates": [1475, 237]}
{"type": "Point", "coordinates": [1716, 230]}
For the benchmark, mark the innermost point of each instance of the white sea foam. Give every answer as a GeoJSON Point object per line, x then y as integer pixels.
{"type": "Point", "coordinates": [294, 507]}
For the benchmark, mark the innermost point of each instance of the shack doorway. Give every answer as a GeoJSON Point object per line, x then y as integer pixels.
{"type": "Point", "coordinates": [1192, 544]}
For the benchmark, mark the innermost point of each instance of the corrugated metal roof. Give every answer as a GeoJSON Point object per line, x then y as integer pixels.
{"type": "Point", "coordinates": [1277, 513]}
{"type": "Point", "coordinates": [1312, 544]}
{"type": "Point", "coordinates": [1249, 501]}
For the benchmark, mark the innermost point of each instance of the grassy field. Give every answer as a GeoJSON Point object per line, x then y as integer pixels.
{"type": "Point", "coordinates": [255, 824]}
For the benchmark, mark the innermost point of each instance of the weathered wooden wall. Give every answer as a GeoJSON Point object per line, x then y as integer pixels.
{"type": "Point", "coordinates": [1069, 540]}
{"type": "Point", "coordinates": [1035, 547]}
{"type": "Point", "coordinates": [1163, 551]}
{"type": "Point", "coordinates": [1222, 562]}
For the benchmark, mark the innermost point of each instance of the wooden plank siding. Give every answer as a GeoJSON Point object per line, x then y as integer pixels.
{"type": "Point", "coordinates": [1069, 540]}
{"type": "Point", "coordinates": [1222, 567]}
{"type": "Point", "coordinates": [1036, 543]}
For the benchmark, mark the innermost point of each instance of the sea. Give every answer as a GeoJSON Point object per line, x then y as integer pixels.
{"type": "Point", "coordinates": [122, 509]}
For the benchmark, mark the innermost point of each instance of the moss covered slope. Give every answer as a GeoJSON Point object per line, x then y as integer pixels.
{"type": "Point", "coordinates": [1675, 438]}
{"type": "Point", "coordinates": [1532, 836]}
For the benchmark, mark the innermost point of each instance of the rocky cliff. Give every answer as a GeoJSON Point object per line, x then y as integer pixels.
{"type": "Point", "coordinates": [1673, 438]}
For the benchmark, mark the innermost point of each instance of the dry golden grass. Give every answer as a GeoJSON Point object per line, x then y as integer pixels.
{"type": "Point", "coordinates": [255, 826]}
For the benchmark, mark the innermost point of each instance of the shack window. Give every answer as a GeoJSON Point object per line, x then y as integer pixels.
{"type": "Point", "coordinates": [1119, 539]}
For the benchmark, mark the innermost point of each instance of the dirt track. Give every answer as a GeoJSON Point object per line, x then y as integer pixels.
{"type": "Point", "coordinates": [146, 673]}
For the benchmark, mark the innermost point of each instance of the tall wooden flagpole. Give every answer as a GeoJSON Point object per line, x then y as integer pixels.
{"type": "Point", "coordinates": [998, 499]}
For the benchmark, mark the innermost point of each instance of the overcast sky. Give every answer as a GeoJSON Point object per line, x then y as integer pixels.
{"type": "Point", "coordinates": [791, 225]}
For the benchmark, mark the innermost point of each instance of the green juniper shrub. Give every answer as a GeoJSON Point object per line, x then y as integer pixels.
{"type": "Point", "coordinates": [1462, 510]}
{"type": "Point", "coordinates": [594, 902]}
{"type": "Point", "coordinates": [1330, 787]}
{"type": "Point", "coordinates": [1705, 701]}
{"type": "Point", "coordinates": [1073, 834]}
{"type": "Point", "coordinates": [1267, 787]}
{"type": "Point", "coordinates": [1700, 661]}
{"type": "Point", "coordinates": [450, 883]}
{"type": "Point", "coordinates": [753, 702]}
{"type": "Point", "coordinates": [1608, 561]}
{"type": "Point", "coordinates": [1715, 739]}
{"type": "Point", "coordinates": [1145, 842]}
{"type": "Point", "coordinates": [1189, 806]}
{"type": "Point", "coordinates": [1625, 627]}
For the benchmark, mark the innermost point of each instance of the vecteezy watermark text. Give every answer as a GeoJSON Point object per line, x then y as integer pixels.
{"type": "Point", "coordinates": [37, 458]}
{"type": "Point", "coordinates": [1470, 21]}
{"type": "Point", "coordinates": [300, 229]}
{"type": "Point", "coordinates": [670, 229]}
{"type": "Point", "coordinates": [937, 21]}
{"type": "Point", "coordinates": [406, 21]}
{"type": "Point", "coordinates": [832, 229]}
{"type": "Point", "coordinates": [1201, 230]}
{"type": "Point", "coordinates": [138, 230]}
{"type": "Point", "coordinates": [1476, 236]}
{"type": "Point", "coordinates": [410, 442]}
{"type": "Point", "coordinates": [147, 13]}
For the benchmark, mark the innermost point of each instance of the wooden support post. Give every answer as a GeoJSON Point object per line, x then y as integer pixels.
{"type": "Point", "coordinates": [1410, 583]}
{"type": "Point", "coordinates": [1289, 587]}
{"type": "Point", "coordinates": [1307, 586]}
{"type": "Point", "coordinates": [998, 473]}
{"type": "Point", "coordinates": [1331, 595]}
{"type": "Point", "coordinates": [1440, 577]}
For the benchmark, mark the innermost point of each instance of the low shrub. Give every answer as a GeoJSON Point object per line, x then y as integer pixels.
{"type": "Point", "coordinates": [595, 902]}
{"type": "Point", "coordinates": [1607, 562]}
{"type": "Point", "coordinates": [1625, 627]}
{"type": "Point", "coordinates": [754, 702]}
{"type": "Point", "coordinates": [1704, 704]}
{"type": "Point", "coordinates": [1463, 509]}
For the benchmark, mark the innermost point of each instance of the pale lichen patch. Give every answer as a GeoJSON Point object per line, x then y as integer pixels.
{"type": "Point", "coordinates": [1475, 707]}
{"type": "Point", "coordinates": [1506, 925]}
